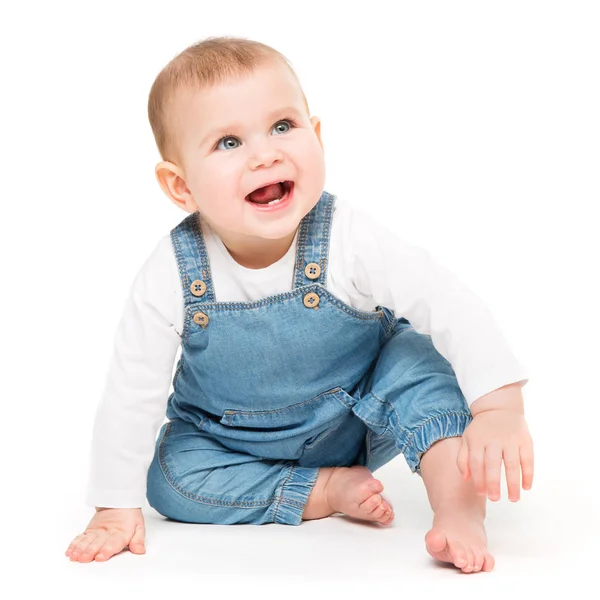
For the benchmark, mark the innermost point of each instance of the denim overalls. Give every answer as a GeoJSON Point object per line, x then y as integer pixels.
{"type": "Point", "coordinates": [266, 392]}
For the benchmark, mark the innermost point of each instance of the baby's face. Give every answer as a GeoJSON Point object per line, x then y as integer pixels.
{"type": "Point", "coordinates": [242, 135]}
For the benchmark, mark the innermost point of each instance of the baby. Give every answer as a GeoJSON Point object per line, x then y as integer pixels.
{"type": "Point", "coordinates": [316, 345]}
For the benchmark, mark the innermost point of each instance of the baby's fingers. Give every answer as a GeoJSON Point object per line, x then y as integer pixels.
{"type": "Point", "coordinates": [136, 545]}
{"type": "Point", "coordinates": [526, 453]}
{"type": "Point", "coordinates": [462, 460]}
{"type": "Point", "coordinates": [112, 545]}
{"type": "Point", "coordinates": [90, 553]}
{"type": "Point", "coordinates": [512, 465]}
{"type": "Point", "coordinates": [477, 468]}
{"type": "Point", "coordinates": [84, 546]}
{"type": "Point", "coordinates": [78, 545]}
{"type": "Point", "coordinates": [493, 464]}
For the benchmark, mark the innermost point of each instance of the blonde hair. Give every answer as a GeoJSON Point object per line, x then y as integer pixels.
{"type": "Point", "coordinates": [201, 65]}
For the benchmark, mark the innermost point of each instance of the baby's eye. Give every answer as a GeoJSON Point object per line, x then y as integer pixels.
{"type": "Point", "coordinates": [283, 126]}
{"type": "Point", "coordinates": [228, 139]}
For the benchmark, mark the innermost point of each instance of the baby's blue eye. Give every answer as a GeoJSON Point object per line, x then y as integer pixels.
{"type": "Point", "coordinates": [280, 123]}
{"type": "Point", "coordinates": [224, 143]}
{"type": "Point", "coordinates": [227, 145]}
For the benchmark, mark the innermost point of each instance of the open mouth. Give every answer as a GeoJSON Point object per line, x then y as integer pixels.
{"type": "Point", "coordinates": [272, 194]}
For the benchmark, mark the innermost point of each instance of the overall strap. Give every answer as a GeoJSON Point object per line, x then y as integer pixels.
{"type": "Point", "coordinates": [192, 260]}
{"type": "Point", "coordinates": [312, 251]}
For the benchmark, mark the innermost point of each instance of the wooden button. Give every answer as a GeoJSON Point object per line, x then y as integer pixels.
{"type": "Point", "coordinates": [201, 319]}
{"type": "Point", "coordinates": [198, 287]}
{"type": "Point", "coordinates": [311, 300]}
{"type": "Point", "coordinates": [312, 271]}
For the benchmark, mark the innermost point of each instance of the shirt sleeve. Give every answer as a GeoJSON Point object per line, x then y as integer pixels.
{"type": "Point", "coordinates": [133, 404]}
{"type": "Point", "coordinates": [407, 280]}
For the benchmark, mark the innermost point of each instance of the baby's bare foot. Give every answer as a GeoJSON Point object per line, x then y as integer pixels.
{"type": "Point", "coordinates": [458, 537]}
{"type": "Point", "coordinates": [355, 492]}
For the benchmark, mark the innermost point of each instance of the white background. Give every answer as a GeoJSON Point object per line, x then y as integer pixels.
{"type": "Point", "coordinates": [471, 128]}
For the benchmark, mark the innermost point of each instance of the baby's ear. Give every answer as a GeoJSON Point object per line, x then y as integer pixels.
{"type": "Point", "coordinates": [316, 124]}
{"type": "Point", "coordinates": [171, 179]}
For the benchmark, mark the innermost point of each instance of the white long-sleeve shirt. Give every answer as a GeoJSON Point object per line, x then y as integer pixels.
{"type": "Point", "coordinates": [368, 266]}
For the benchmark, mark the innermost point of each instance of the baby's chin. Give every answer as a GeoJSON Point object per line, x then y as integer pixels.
{"type": "Point", "coordinates": [253, 227]}
{"type": "Point", "coordinates": [275, 233]}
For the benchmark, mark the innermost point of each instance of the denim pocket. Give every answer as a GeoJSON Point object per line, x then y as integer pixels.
{"type": "Point", "coordinates": [281, 433]}
{"type": "Point", "coordinates": [306, 415]}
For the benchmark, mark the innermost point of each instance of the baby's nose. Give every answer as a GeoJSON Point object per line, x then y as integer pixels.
{"type": "Point", "coordinates": [265, 156]}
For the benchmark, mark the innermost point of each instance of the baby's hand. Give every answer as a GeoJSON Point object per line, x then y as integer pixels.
{"type": "Point", "coordinates": [109, 531]}
{"type": "Point", "coordinates": [494, 436]}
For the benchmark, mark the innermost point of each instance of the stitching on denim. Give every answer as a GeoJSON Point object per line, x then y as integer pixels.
{"type": "Point", "coordinates": [205, 270]}
{"type": "Point", "coordinates": [320, 218]}
{"type": "Point", "coordinates": [419, 455]}
{"type": "Point", "coordinates": [180, 234]}
{"type": "Point", "coordinates": [378, 398]}
{"type": "Point", "coordinates": [300, 249]}
{"type": "Point", "coordinates": [278, 501]}
{"type": "Point", "coordinates": [185, 334]}
{"type": "Point", "coordinates": [298, 292]}
{"type": "Point", "coordinates": [200, 499]}
{"type": "Point", "coordinates": [336, 392]}
{"type": "Point", "coordinates": [389, 329]}
{"type": "Point", "coordinates": [180, 259]}
{"type": "Point", "coordinates": [232, 412]}
{"type": "Point", "coordinates": [418, 428]}
{"type": "Point", "coordinates": [424, 423]}
{"type": "Point", "coordinates": [183, 279]}
{"type": "Point", "coordinates": [370, 421]}
{"type": "Point", "coordinates": [325, 234]}
{"type": "Point", "coordinates": [178, 371]}
{"type": "Point", "coordinates": [343, 400]}
{"type": "Point", "coordinates": [412, 433]}
{"type": "Point", "coordinates": [289, 502]}
{"type": "Point", "coordinates": [316, 242]}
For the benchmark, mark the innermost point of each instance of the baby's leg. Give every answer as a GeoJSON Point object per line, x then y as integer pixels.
{"type": "Point", "coordinates": [458, 534]}
{"type": "Point", "coordinates": [195, 479]}
{"type": "Point", "coordinates": [413, 405]}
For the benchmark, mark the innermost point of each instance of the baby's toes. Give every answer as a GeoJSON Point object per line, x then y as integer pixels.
{"type": "Point", "coordinates": [388, 517]}
{"type": "Point", "coordinates": [388, 513]}
{"type": "Point", "coordinates": [479, 557]}
{"type": "Point", "coordinates": [458, 554]}
{"type": "Point", "coordinates": [488, 562]}
{"type": "Point", "coordinates": [373, 507]}
{"type": "Point", "coordinates": [468, 568]}
{"type": "Point", "coordinates": [380, 513]}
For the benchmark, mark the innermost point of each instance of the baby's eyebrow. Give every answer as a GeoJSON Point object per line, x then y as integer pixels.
{"type": "Point", "coordinates": [225, 130]}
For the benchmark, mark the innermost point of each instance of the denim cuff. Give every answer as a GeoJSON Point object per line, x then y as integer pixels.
{"type": "Point", "coordinates": [298, 483]}
{"type": "Point", "coordinates": [446, 425]}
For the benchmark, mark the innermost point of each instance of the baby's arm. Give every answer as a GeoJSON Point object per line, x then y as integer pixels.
{"type": "Point", "coordinates": [131, 411]}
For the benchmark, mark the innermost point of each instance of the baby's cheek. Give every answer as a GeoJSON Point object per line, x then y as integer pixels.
{"type": "Point", "coordinates": [316, 167]}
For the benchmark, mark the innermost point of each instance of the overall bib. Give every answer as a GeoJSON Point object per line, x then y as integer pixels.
{"type": "Point", "coordinates": [266, 392]}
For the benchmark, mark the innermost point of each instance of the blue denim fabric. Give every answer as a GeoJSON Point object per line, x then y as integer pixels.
{"type": "Point", "coordinates": [267, 392]}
